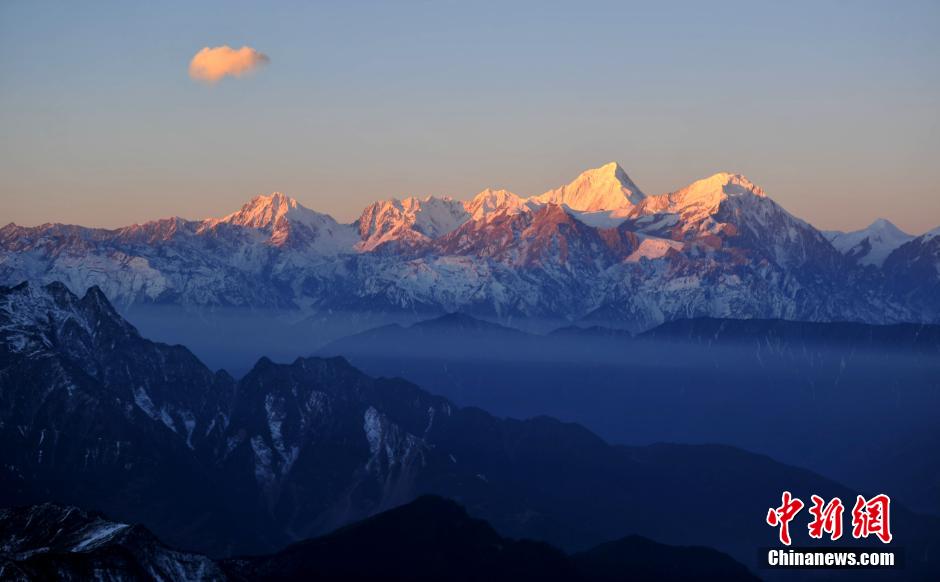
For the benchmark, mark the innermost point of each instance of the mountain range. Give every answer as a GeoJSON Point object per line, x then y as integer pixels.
{"type": "Point", "coordinates": [94, 415]}
{"type": "Point", "coordinates": [595, 250]}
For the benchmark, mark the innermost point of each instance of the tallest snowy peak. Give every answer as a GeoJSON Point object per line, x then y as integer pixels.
{"type": "Point", "coordinates": [605, 188]}
{"type": "Point", "coordinates": [609, 171]}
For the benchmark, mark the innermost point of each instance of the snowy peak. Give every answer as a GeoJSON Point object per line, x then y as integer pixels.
{"type": "Point", "coordinates": [605, 188]}
{"type": "Point", "coordinates": [884, 224]}
{"type": "Point", "coordinates": [410, 220]}
{"type": "Point", "coordinates": [265, 211]}
{"type": "Point", "coordinates": [489, 202]}
{"type": "Point", "coordinates": [719, 186]}
{"type": "Point", "coordinates": [870, 245]}
{"type": "Point", "coordinates": [884, 228]}
{"type": "Point", "coordinates": [433, 216]}
{"type": "Point", "coordinates": [701, 200]}
{"type": "Point", "coordinates": [286, 222]}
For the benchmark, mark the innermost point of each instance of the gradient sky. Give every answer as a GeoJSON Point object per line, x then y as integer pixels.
{"type": "Point", "coordinates": [832, 107]}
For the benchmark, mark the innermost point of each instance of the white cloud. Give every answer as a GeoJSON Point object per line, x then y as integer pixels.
{"type": "Point", "coordinates": [211, 64]}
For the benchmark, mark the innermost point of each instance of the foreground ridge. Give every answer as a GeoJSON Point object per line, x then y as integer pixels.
{"type": "Point", "coordinates": [430, 538]}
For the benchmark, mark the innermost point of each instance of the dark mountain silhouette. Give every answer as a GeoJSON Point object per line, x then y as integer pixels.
{"type": "Point", "coordinates": [638, 558]}
{"type": "Point", "coordinates": [434, 539]}
{"type": "Point", "coordinates": [848, 400]}
{"type": "Point", "coordinates": [94, 415]}
{"type": "Point", "coordinates": [430, 538]}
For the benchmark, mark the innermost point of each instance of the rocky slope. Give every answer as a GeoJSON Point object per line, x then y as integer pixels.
{"type": "Point", "coordinates": [53, 542]}
{"type": "Point", "coordinates": [912, 272]}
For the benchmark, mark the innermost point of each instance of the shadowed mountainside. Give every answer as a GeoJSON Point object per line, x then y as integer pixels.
{"type": "Point", "coordinates": [93, 415]}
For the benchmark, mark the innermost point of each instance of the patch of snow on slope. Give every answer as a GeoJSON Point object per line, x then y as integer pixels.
{"type": "Point", "coordinates": [653, 248]}
{"type": "Point", "coordinates": [602, 218]}
{"type": "Point", "coordinates": [167, 418]}
{"type": "Point", "coordinates": [143, 402]}
{"type": "Point", "coordinates": [98, 535]}
{"type": "Point", "coordinates": [276, 413]}
{"type": "Point", "coordinates": [372, 425]}
{"type": "Point", "coordinates": [264, 461]}
{"type": "Point", "coordinates": [398, 446]}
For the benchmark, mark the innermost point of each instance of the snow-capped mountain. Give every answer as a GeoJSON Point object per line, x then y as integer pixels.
{"type": "Point", "coordinates": [490, 202]}
{"type": "Point", "coordinates": [870, 245]}
{"type": "Point", "coordinates": [595, 249]}
{"type": "Point", "coordinates": [604, 188]}
{"type": "Point", "coordinates": [410, 222]}
{"type": "Point", "coordinates": [283, 221]}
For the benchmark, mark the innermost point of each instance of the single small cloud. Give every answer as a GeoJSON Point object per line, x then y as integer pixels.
{"type": "Point", "coordinates": [211, 64]}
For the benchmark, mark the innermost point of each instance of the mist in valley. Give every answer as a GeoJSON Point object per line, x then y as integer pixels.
{"type": "Point", "coordinates": [858, 409]}
{"type": "Point", "coordinates": [855, 403]}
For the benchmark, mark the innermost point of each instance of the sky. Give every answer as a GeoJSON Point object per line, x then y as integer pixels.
{"type": "Point", "coordinates": [832, 107]}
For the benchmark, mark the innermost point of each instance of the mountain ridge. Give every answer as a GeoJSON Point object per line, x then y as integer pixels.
{"type": "Point", "coordinates": [718, 247]}
{"type": "Point", "coordinates": [430, 538]}
{"type": "Point", "coordinates": [264, 209]}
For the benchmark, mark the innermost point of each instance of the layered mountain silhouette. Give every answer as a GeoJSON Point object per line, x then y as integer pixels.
{"type": "Point", "coordinates": [428, 539]}
{"type": "Point", "coordinates": [852, 401]}
{"type": "Point", "coordinates": [94, 415]}
{"type": "Point", "coordinates": [434, 539]}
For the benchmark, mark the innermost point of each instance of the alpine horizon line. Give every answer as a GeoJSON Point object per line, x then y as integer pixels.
{"type": "Point", "coordinates": [498, 197]}
{"type": "Point", "coordinates": [597, 250]}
